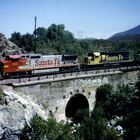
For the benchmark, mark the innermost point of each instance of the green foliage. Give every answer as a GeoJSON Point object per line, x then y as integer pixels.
{"type": "Point", "coordinates": [103, 92]}
{"type": "Point", "coordinates": [35, 131]}
{"type": "Point", "coordinates": [92, 127]}
{"type": "Point", "coordinates": [95, 127]}
{"type": "Point", "coordinates": [39, 129]}
{"type": "Point", "coordinates": [131, 124]}
{"type": "Point", "coordinates": [56, 40]}
{"type": "Point", "coordinates": [56, 131]}
{"type": "Point", "coordinates": [131, 121]}
{"type": "Point", "coordinates": [28, 42]}
{"type": "Point", "coordinates": [16, 38]}
{"type": "Point", "coordinates": [115, 102]}
{"type": "Point", "coordinates": [124, 101]}
{"type": "Point", "coordinates": [124, 97]}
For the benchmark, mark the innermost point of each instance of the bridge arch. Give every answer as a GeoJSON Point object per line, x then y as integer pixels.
{"type": "Point", "coordinates": [76, 102]}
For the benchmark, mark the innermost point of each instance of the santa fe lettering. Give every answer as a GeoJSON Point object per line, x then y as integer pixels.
{"type": "Point", "coordinates": [44, 63]}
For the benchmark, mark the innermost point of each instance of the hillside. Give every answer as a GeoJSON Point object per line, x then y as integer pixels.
{"type": "Point", "coordinates": [131, 34]}
{"type": "Point", "coordinates": [7, 46]}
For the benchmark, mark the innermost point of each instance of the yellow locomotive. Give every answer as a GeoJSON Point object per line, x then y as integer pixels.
{"type": "Point", "coordinates": [105, 57]}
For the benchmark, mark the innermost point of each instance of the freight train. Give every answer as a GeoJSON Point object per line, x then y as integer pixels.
{"type": "Point", "coordinates": [34, 63]}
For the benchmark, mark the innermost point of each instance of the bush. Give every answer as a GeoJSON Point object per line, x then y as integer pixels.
{"type": "Point", "coordinates": [35, 131]}
{"type": "Point", "coordinates": [39, 129]}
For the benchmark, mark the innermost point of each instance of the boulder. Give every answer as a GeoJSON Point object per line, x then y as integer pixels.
{"type": "Point", "coordinates": [16, 109]}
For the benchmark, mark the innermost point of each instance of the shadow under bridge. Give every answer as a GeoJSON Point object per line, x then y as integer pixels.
{"type": "Point", "coordinates": [77, 108]}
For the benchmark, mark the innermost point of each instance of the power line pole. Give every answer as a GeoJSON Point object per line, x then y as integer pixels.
{"type": "Point", "coordinates": [35, 34]}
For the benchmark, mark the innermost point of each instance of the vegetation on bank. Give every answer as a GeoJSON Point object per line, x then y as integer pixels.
{"type": "Point", "coordinates": [116, 115]}
{"type": "Point", "coordinates": [56, 40]}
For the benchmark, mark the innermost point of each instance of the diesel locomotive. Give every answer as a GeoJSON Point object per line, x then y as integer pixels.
{"type": "Point", "coordinates": [35, 63]}
{"type": "Point", "coordinates": [104, 59]}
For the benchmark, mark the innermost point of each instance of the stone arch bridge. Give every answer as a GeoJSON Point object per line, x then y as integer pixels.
{"type": "Point", "coordinates": [63, 97]}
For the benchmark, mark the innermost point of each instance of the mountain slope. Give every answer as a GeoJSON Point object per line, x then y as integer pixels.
{"type": "Point", "coordinates": [131, 33]}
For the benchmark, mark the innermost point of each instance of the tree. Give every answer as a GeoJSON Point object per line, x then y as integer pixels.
{"type": "Point", "coordinates": [41, 32]}
{"type": "Point", "coordinates": [16, 38]}
{"type": "Point", "coordinates": [131, 121]}
{"type": "Point", "coordinates": [123, 98]}
{"type": "Point", "coordinates": [115, 102]}
{"type": "Point", "coordinates": [25, 42]}
{"type": "Point", "coordinates": [103, 92]}
{"type": "Point", "coordinates": [39, 129]}
{"type": "Point", "coordinates": [95, 127]}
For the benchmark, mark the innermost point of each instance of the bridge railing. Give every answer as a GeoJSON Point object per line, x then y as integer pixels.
{"type": "Point", "coordinates": [72, 74]}
{"type": "Point", "coordinates": [76, 74]}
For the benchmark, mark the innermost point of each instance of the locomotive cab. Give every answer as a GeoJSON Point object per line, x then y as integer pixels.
{"type": "Point", "coordinates": [93, 58]}
{"type": "Point", "coordinates": [12, 58]}
{"type": "Point", "coordinates": [13, 65]}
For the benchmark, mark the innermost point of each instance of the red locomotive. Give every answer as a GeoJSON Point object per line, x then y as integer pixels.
{"type": "Point", "coordinates": [27, 63]}
{"type": "Point", "coordinates": [13, 64]}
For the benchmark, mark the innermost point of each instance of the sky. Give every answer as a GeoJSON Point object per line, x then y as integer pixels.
{"type": "Point", "coordinates": [84, 18]}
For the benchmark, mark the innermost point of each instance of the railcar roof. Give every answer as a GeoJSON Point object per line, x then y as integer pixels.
{"type": "Point", "coordinates": [31, 54]}
{"type": "Point", "coordinates": [69, 57]}
{"type": "Point", "coordinates": [96, 53]}
{"type": "Point", "coordinates": [14, 56]}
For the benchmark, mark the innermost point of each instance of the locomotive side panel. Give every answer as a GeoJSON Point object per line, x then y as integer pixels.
{"type": "Point", "coordinates": [98, 60]}
{"type": "Point", "coordinates": [69, 63]}
{"type": "Point", "coordinates": [46, 61]}
{"type": "Point", "coordinates": [104, 57]}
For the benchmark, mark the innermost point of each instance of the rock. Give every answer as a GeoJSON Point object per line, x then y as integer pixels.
{"type": "Point", "coordinates": [15, 110]}
{"type": "Point", "coordinates": [7, 46]}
